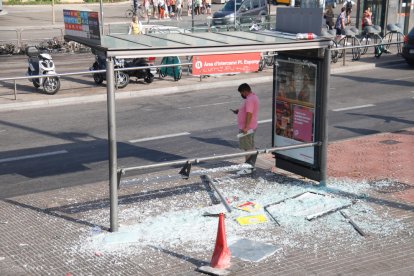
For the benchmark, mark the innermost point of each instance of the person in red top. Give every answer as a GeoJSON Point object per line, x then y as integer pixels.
{"type": "Point", "coordinates": [367, 18]}
{"type": "Point", "coordinates": [247, 116]}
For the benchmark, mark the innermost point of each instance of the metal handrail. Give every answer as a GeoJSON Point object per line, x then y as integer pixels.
{"type": "Point", "coordinates": [361, 46]}
{"type": "Point", "coordinates": [364, 46]}
{"type": "Point", "coordinates": [94, 71]}
{"type": "Point", "coordinates": [122, 171]}
{"type": "Point", "coordinates": [85, 73]}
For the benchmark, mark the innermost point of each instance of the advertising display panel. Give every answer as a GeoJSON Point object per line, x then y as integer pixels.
{"type": "Point", "coordinates": [295, 116]}
{"type": "Point", "coordinates": [226, 64]}
{"type": "Point", "coordinates": [295, 108]}
{"type": "Point", "coordinates": [82, 24]}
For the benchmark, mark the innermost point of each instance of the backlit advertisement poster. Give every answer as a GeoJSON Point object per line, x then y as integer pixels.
{"type": "Point", "coordinates": [83, 24]}
{"type": "Point", "coordinates": [295, 108]}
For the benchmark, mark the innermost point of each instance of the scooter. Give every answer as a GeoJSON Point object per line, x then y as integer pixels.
{"type": "Point", "coordinates": [145, 74]}
{"type": "Point", "coordinates": [42, 64]}
{"type": "Point", "coordinates": [121, 78]}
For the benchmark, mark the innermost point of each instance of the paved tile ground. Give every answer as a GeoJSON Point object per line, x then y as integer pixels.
{"type": "Point", "coordinates": [48, 233]}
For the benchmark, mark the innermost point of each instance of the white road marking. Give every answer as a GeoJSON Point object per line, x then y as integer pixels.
{"type": "Point", "coordinates": [32, 156]}
{"type": "Point", "coordinates": [404, 78]}
{"type": "Point", "coordinates": [205, 105]}
{"type": "Point", "coordinates": [264, 121]}
{"type": "Point", "coordinates": [159, 137]}
{"type": "Point", "coordinates": [353, 107]}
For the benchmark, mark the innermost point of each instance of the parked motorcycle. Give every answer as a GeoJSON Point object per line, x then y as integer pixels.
{"type": "Point", "coordinates": [121, 78]}
{"type": "Point", "coordinates": [145, 74]}
{"type": "Point", "coordinates": [42, 64]}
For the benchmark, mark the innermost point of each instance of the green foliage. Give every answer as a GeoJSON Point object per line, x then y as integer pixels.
{"type": "Point", "coordinates": [30, 2]}
{"type": "Point", "coordinates": [49, 2]}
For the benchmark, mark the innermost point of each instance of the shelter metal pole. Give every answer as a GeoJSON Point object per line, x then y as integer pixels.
{"type": "Point", "coordinates": [102, 17]}
{"type": "Point", "coordinates": [113, 177]}
{"type": "Point", "coordinates": [324, 112]}
{"type": "Point", "coordinates": [235, 17]}
{"type": "Point", "coordinates": [15, 90]}
{"type": "Point", "coordinates": [53, 12]}
{"type": "Point", "coordinates": [192, 15]}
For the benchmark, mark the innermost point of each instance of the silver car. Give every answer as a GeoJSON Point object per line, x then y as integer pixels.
{"type": "Point", "coordinates": [247, 11]}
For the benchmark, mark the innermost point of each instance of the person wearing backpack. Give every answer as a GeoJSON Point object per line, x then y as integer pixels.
{"type": "Point", "coordinates": [348, 4]}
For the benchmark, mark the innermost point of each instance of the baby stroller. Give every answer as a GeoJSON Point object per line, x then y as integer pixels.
{"type": "Point", "coordinates": [173, 71]}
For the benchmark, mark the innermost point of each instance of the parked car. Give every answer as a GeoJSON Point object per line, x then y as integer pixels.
{"type": "Point", "coordinates": [284, 2]}
{"type": "Point", "coordinates": [408, 47]}
{"type": "Point", "coordinates": [332, 3]}
{"type": "Point", "coordinates": [247, 11]}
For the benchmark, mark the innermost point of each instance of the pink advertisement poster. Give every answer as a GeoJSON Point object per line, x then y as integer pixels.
{"type": "Point", "coordinates": [302, 123]}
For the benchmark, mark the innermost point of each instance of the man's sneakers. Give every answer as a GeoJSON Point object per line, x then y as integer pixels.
{"type": "Point", "coordinates": [246, 171]}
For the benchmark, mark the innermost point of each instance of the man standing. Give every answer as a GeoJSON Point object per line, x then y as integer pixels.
{"type": "Point", "coordinates": [247, 123]}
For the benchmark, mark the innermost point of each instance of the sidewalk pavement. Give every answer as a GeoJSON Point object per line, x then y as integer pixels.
{"type": "Point", "coordinates": [162, 230]}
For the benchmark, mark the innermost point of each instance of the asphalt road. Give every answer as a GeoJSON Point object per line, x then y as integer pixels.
{"type": "Point", "coordinates": [55, 147]}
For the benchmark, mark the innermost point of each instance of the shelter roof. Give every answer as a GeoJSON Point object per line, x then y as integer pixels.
{"type": "Point", "coordinates": [197, 43]}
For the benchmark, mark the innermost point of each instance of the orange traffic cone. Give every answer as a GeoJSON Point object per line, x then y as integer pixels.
{"type": "Point", "coordinates": [221, 255]}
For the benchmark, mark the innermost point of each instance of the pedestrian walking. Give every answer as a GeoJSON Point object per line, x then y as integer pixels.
{"type": "Point", "coordinates": [197, 7]}
{"type": "Point", "coordinates": [208, 6]}
{"type": "Point", "coordinates": [167, 8]}
{"type": "Point", "coordinates": [178, 9]}
{"type": "Point", "coordinates": [348, 17]}
{"type": "Point", "coordinates": [155, 10]}
{"type": "Point", "coordinates": [340, 22]}
{"type": "Point", "coordinates": [247, 116]}
{"type": "Point", "coordinates": [189, 7]}
{"type": "Point", "coordinates": [173, 5]}
{"type": "Point", "coordinates": [329, 17]}
{"type": "Point", "coordinates": [135, 4]}
{"type": "Point", "coordinates": [147, 8]}
{"type": "Point", "coordinates": [162, 7]}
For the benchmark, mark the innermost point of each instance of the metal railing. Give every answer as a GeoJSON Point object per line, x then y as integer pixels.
{"type": "Point", "coordinates": [188, 64]}
{"type": "Point", "coordinates": [216, 157]}
{"type": "Point", "coordinates": [343, 49]}
{"type": "Point", "coordinates": [85, 73]}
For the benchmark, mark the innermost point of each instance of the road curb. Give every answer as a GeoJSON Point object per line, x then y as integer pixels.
{"type": "Point", "coordinates": [127, 94]}
{"type": "Point", "coordinates": [362, 67]}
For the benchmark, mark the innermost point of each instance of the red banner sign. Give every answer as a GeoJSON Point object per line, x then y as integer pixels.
{"type": "Point", "coordinates": [226, 64]}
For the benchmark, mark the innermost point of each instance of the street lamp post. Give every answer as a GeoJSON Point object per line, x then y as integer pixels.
{"type": "Point", "coordinates": [53, 12]}
{"type": "Point", "coordinates": [235, 17]}
{"type": "Point", "coordinates": [102, 17]}
{"type": "Point", "coordinates": [192, 15]}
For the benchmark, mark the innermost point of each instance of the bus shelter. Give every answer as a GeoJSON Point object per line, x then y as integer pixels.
{"type": "Point", "coordinates": [299, 122]}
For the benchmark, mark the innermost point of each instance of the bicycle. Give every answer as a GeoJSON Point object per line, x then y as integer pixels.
{"type": "Point", "coordinates": [350, 39]}
{"type": "Point", "coordinates": [370, 35]}
{"type": "Point", "coordinates": [266, 59]}
{"type": "Point", "coordinates": [331, 34]}
{"type": "Point", "coordinates": [140, 11]}
{"type": "Point", "coordinates": [394, 31]}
